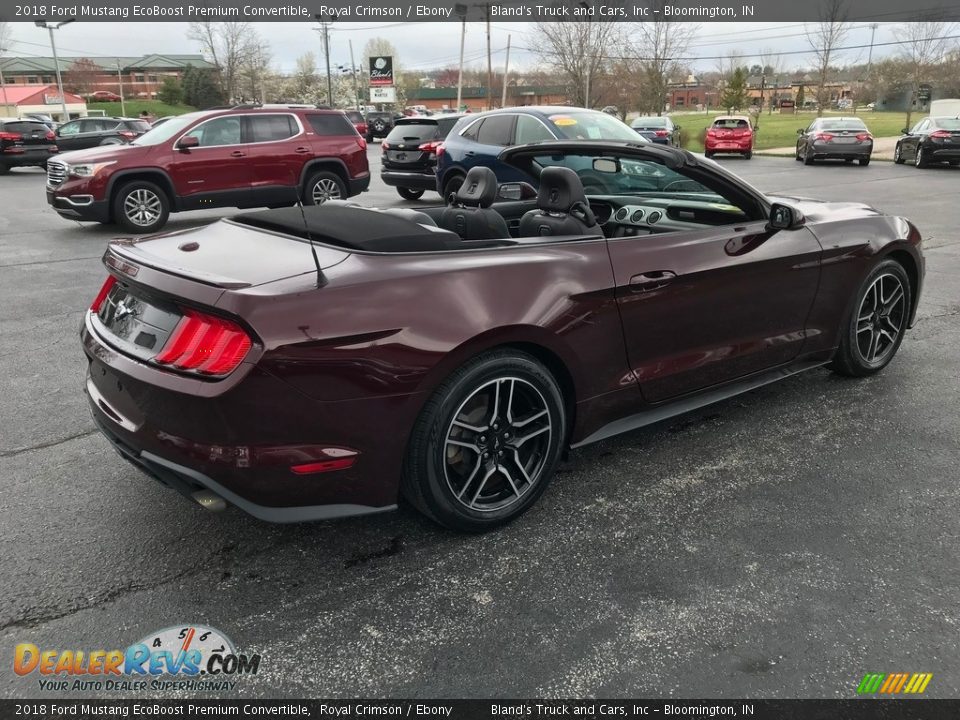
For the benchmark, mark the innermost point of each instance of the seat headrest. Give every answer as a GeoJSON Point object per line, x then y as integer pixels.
{"type": "Point", "coordinates": [479, 188]}
{"type": "Point", "coordinates": [560, 189]}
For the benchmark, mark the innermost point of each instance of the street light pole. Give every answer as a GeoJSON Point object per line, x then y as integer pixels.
{"type": "Point", "coordinates": [56, 61]}
{"type": "Point", "coordinates": [123, 106]}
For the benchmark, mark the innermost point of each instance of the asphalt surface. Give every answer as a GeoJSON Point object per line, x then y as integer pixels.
{"type": "Point", "coordinates": [780, 544]}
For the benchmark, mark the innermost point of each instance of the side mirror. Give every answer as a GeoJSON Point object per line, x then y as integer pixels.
{"type": "Point", "coordinates": [800, 131]}
{"type": "Point", "coordinates": [516, 191]}
{"type": "Point", "coordinates": [677, 127]}
{"type": "Point", "coordinates": [905, 131]}
{"type": "Point", "coordinates": [187, 142]}
{"type": "Point", "coordinates": [784, 217]}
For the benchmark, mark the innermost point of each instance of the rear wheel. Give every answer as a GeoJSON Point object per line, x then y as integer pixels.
{"type": "Point", "coordinates": [864, 162]}
{"type": "Point", "coordinates": [4, 169]}
{"type": "Point", "coordinates": [323, 186]}
{"type": "Point", "coordinates": [141, 207]}
{"type": "Point", "coordinates": [708, 153]}
{"type": "Point", "coordinates": [451, 186]}
{"type": "Point", "coordinates": [487, 443]}
{"type": "Point", "coordinates": [954, 163]}
{"type": "Point", "coordinates": [807, 157]}
{"type": "Point", "coordinates": [920, 160]}
{"type": "Point", "coordinates": [749, 154]}
{"type": "Point", "coordinates": [875, 329]}
{"type": "Point", "coordinates": [410, 193]}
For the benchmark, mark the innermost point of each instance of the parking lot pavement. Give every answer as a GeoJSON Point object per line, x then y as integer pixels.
{"type": "Point", "coordinates": [783, 543]}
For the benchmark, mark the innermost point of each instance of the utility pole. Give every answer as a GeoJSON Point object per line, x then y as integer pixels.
{"type": "Point", "coordinates": [461, 10]}
{"type": "Point", "coordinates": [506, 73]}
{"type": "Point", "coordinates": [123, 106]}
{"type": "Point", "coordinates": [586, 88]}
{"type": "Point", "coordinates": [56, 61]}
{"type": "Point", "coordinates": [353, 69]}
{"type": "Point", "coordinates": [873, 32]}
{"type": "Point", "coordinates": [489, 64]}
{"type": "Point", "coordinates": [325, 30]}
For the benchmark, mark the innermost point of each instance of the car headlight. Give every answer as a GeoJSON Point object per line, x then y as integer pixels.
{"type": "Point", "coordinates": [88, 169]}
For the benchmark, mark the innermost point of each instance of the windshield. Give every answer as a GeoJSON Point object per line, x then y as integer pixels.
{"type": "Point", "coordinates": [731, 123]}
{"type": "Point", "coordinates": [649, 122]}
{"type": "Point", "coordinates": [842, 124]}
{"type": "Point", "coordinates": [948, 123]}
{"type": "Point", "coordinates": [171, 128]}
{"type": "Point", "coordinates": [591, 126]}
{"type": "Point", "coordinates": [412, 132]}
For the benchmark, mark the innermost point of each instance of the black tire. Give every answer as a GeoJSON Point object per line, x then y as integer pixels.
{"type": "Point", "coordinates": [322, 186]}
{"type": "Point", "coordinates": [451, 186]}
{"type": "Point", "coordinates": [807, 157]}
{"type": "Point", "coordinates": [4, 169]}
{"type": "Point", "coordinates": [954, 163]}
{"type": "Point", "coordinates": [864, 162]}
{"type": "Point", "coordinates": [379, 126]}
{"type": "Point", "coordinates": [369, 137]}
{"type": "Point", "coordinates": [707, 154]}
{"type": "Point", "coordinates": [442, 479]}
{"type": "Point", "coordinates": [898, 154]}
{"type": "Point", "coordinates": [796, 155]}
{"type": "Point", "coordinates": [857, 356]}
{"type": "Point", "coordinates": [848, 160]}
{"type": "Point", "coordinates": [410, 193]}
{"type": "Point", "coordinates": [141, 207]}
{"type": "Point", "coordinates": [748, 155]}
{"type": "Point", "coordinates": [919, 160]}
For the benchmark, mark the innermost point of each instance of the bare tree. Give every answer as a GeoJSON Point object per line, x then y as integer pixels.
{"type": "Point", "coordinates": [230, 46]}
{"type": "Point", "coordinates": [81, 77]}
{"type": "Point", "coordinates": [772, 63]}
{"type": "Point", "coordinates": [659, 48]}
{"type": "Point", "coordinates": [925, 46]}
{"type": "Point", "coordinates": [826, 38]}
{"type": "Point", "coordinates": [254, 72]}
{"type": "Point", "coordinates": [575, 49]}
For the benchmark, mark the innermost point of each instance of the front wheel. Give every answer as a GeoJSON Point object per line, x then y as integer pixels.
{"type": "Point", "coordinates": [898, 154]}
{"type": "Point", "coordinates": [875, 329]}
{"type": "Point", "coordinates": [141, 207]}
{"type": "Point", "coordinates": [323, 186]}
{"type": "Point", "coordinates": [410, 193]}
{"type": "Point", "coordinates": [487, 443]}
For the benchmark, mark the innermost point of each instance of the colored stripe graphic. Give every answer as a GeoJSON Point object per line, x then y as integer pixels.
{"type": "Point", "coordinates": [894, 683]}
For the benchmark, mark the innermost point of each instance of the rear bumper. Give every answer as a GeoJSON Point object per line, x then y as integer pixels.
{"type": "Point", "coordinates": [79, 207]}
{"type": "Point", "coordinates": [359, 185]}
{"type": "Point", "coordinates": [834, 151]}
{"type": "Point", "coordinates": [412, 180]}
{"type": "Point", "coordinates": [28, 158]}
{"type": "Point", "coordinates": [938, 152]}
{"type": "Point", "coordinates": [728, 148]}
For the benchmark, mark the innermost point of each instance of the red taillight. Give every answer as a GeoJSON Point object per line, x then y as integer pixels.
{"type": "Point", "coordinates": [440, 150]}
{"type": "Point", "coordinates": [384, 145]}
{"type": "Point", "coordinates": [335, 458]}
{"type": "Point", "coordinates": [204, 344]}
{"type": "Point", "coordinates": [430, 147]}
{"type": "Point", "coordinates": [711, 132]}
{"type": "Point", "coordinates": [864, 136]}
{"type": "Point", "coordinates": [940, 134]}
{"type": "Point", "coordinates": [127, 134]}
{"type": "Point", "coordinates": [362, 142]}
{"type": "Point", "coordinates": [10, 136]}
{"type": "Point", "coordinates": [826, 137]}
{"type": "Point", "coordinates": [51, 135]}
{"type": "Point", "coordinates": [661, 133]}
{"type": "Point", "coordinates": [102, 295]}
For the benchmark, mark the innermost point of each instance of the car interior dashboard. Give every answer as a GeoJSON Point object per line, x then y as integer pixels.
{"type": "Point", "coordinates": [625, 216]}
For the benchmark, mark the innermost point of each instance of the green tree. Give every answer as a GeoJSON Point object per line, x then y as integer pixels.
{"type": "Point", "coordinates": [735, 92]}
{"type": "Point", "coordinates": [801, 97]}
{"type": "Point", "coordinates": [201, 88]}
{"type": "Point", "coordinates": [170, 92]}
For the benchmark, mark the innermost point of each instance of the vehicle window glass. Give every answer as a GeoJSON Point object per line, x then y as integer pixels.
{"type": "Point", "coordinates": [412, 132]}
{"type": "Point", "coordinates": [444, 126]}
{"type": "Point", "coordinates": [919, 126]}
{"type": "Point", "coordinates": [220, 131]}
{"type": "Point", "coordinates": [496, 130]}
{"type": "Point", "coordinates": [731, 124]}
{"type": "Point", "coordinates": [71, 128]}
{"type": "Point", "coordinates": [25, 127]}
{"type": "Point", "coordinates": [355, 117]}
{"type": "Point", "coordinates": [332, 124]}
{"type": "Point", "coordinates": [649, 122]}
{"type": "Point", "coordinates": [590, 125]}
{"type": "Point", "coordinates": [842, 124]}
{"type": "Point", "coordinates": [138, 125]}
{"type": "Point", "coordinates": [266, 128]}
{"type": "Point", "coordinates": [529, 130]}
{"type": "Point", "coordinates": [949, 123]}
{"type": "Point", "coordinates": [472, 132]}
{"type": "Point", "coordinates": [89, 126]}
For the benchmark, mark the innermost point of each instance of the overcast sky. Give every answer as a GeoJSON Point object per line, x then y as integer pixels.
{"type": "Point", "coordinates": [420, 46]}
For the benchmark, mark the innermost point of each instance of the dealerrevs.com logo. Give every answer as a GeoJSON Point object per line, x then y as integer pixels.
{"type": "Point", "coordinates": [188, 657]}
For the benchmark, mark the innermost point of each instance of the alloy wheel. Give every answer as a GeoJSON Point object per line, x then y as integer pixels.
{"type": "Point", "coordinates": [325, 189]}
{"type": "Point", "coordinates": [881, 318]}
{"type": "Point", "coordinates": [918, 160]}
{"type": "Point", "coordinates": [497, 444]}
{"type": "Point", "coordinates": [142, 207]}
{"type": "Point", "coordinates": [896, 153]}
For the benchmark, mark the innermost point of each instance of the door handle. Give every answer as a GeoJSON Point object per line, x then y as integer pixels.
{"type": "Point", "coordinates": [469, 153]}
{"type": "Point", "coordinates": [645, 282]}
{"type": "Point", "coordinates": [238, 153]}
{"type": "Point", "coordinates": [302, 150]}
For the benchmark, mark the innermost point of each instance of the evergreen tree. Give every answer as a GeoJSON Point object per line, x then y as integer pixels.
{"type": "Point", "coordinates": [735, 92]}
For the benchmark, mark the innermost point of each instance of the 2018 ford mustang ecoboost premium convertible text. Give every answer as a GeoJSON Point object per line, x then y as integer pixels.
{"type": "Point", "coordinates": [325, 361]}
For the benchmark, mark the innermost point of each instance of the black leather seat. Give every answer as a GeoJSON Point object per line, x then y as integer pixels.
{"type": "Point", "coordinates": [562, 207]}
{"type": "Point", "coordinates": [471, 216]}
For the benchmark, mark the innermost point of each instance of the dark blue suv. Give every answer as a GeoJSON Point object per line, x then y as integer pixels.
{"type": "Point", "coordinates": [479, 139]}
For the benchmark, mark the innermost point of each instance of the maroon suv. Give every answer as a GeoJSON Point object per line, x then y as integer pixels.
{"type": "Point", "coordinates": [245, 158]}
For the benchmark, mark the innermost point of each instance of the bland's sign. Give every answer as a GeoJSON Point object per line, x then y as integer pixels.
{"type": "Point", "coordinates": [381, 70]}
{"type": "Point", "coordinates": [383, 95]}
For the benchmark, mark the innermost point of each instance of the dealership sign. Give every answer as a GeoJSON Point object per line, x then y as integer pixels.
{"type": "Point", "coordinates": [52, 99]}
{"type": "Point", "coordinates": [383, 95]}
{"type": "Point", "coordinates": [381, 70]}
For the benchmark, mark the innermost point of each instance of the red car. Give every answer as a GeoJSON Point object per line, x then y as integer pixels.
{"type": "Point", "coordinates": [242, 157]}
{"type": "Point", "coordinates": [729, 134]}
{"type": "Point", "coordinates": [359, 122]}
{"type": "Point", "coordinates": [103, 96]}
{"type": "Point", "coordinates": [315, 363]}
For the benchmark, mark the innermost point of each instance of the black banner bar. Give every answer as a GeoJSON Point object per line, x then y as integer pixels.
{"type": "Point", "coordinates": [866, 709]}
{"type": "Point", "coordinates": [379, 11]}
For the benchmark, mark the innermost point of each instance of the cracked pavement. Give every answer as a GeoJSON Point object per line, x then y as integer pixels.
{"type": "Point", "coordinates": [779, 544]}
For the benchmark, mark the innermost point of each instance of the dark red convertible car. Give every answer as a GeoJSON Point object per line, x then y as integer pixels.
{"type": "Point", "coordinates": [325, 361]}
